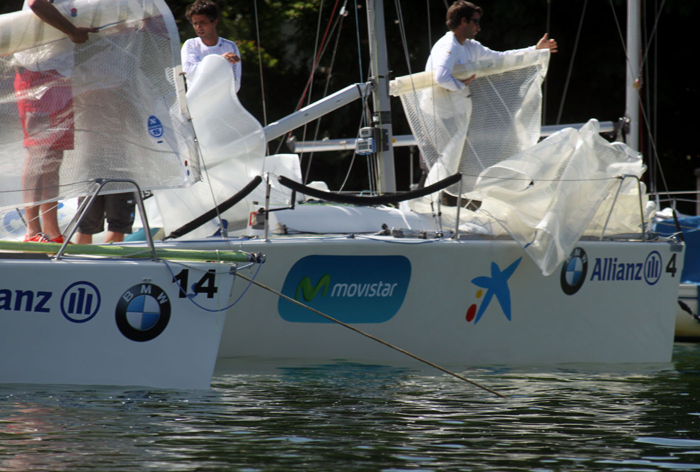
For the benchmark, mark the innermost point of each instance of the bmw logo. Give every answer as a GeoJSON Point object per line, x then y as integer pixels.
{"type": "Point", "coordinates": [573, 272]}
{"type": "Point", "coordinates": [155, 127]}
{"type": "Point", "coordinates": [143, 312]}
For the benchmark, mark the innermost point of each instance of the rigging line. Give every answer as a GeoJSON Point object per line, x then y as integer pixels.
{"type": "Point", "coordinates": [432, 91]}
{"type": "Point", "coordinates": [647, 91]}
{"type": "Point", "coordinates": [373, 338]}
{"type": "Point", "coordinates": [329, 75]}
{"type": "Point", "coordinates": [641, 105]}
{"type": "Point", "coordinates": [402, 29]}
{"type": "Point", "coordinates": [622, 38]}
{"type": "Point", "coordinates": [262, 82]}
{"type": "Point", "coordinates": [354, 154]}
{"type": "Point", "coordinates": [655, 106]}
{"type": "Point", "coordinates": [571, 64]}
{"type": "Point", "coordinates": [359, 49]}
{"type": "Point", "coordinates": [338, 21]}
{"type": "Point", "coordinates": [545, 94]}
{"type": "Point", "coordinates": [311, 76]}
{"type": "Point", "coordinates": [319, 52]}
{"type": "Point", "coordinates": [309, 83]}
{"type": "Point", "coordinates": [651, 35]}
{"type": "Point", "coordinates": [654, 150]}
{"type": "Point", "coordinates": [222, 229]}
{"type": "Point", "coordinates": [372, 176]}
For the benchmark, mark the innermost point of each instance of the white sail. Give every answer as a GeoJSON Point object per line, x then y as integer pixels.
{"type": "Point", "coordinates": [129, 116]}
{"type": "Point", "coordinates": [232, 144]}
{"type": "Point", "coordinates": [497, 116]}
{"type": "Point", "coordinates": [545, 195]}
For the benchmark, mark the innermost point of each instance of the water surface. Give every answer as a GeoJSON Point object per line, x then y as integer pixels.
{"type": "Point", "coordinates": [344, 416]}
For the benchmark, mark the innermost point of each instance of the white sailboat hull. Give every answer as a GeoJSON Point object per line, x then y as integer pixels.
{"type": "Point", "coordinates": [621, 310]}
{"type": "Point", "coordinates": [108, 322]}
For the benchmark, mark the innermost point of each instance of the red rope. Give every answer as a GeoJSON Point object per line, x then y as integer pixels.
{"type": "Point", "coordinates": [318, 55]}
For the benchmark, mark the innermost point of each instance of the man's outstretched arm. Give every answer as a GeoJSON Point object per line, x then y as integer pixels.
{"type": "Point", "coordinates": [50, 15]}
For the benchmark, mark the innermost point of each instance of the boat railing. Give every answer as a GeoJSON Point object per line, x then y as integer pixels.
{"type": "Point", "coordinates": [87, 202]}
{"type": "Point", "coordinates": [622, 179]}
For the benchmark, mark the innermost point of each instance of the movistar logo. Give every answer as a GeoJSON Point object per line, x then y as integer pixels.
{"type": "Point", "coordinates": [353, 289]}
{"type": "Point", "coordinates": [308, 291]}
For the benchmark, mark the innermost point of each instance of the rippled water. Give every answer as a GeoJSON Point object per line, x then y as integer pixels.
{"type": "Point", "coordinates": [358, 417]}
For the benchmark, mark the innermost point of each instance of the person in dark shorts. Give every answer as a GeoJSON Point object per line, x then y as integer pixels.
{"type": "Point", "coordinates": [118, 209]}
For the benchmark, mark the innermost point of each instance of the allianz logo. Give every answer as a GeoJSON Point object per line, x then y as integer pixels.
{"type": "Point", "coordinates": [612, 269]}
{"type": "Point", "coordinates": [343, 290]}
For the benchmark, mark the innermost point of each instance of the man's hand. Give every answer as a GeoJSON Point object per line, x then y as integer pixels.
{"type": "Point", "coordinates": [468, 80]}
{"type": "Point", "coordinates": [231, 57]}
{"type": "Point", "coordinates": [49, 14]}
{"type": "Point", "coordinates": [545, 43]}
{"type": "Point", "coordinates": [80, 35]}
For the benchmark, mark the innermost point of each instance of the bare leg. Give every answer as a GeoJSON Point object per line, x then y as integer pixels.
{"type": "Point", "coordinates": [40, 181]}
{"type": "Point", "coordinates": [113, 237]}
{"type": "Point", "coordinates": [49, 219]}
{"type": "Point", "coordinates": [31, 214]}
{"type": "Point", "coordinates": [82, 238]}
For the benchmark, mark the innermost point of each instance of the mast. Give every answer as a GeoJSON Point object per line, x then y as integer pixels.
{"type": "Point", "coordinates": [633, 72]}
{"type": "Point", "coordinates": [380, 95]}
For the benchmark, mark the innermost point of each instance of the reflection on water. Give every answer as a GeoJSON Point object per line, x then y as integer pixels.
{"type": "Point", "coordinates": [342, 416]}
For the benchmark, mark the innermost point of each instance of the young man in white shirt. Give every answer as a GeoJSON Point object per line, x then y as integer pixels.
{"type": "Point", "coordinates": [459, 47]}
{"type": "Point", "coordinates": [204, 16]}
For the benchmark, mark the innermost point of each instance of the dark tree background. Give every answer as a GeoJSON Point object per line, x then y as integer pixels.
{"type": "Point", "coordinates": [590, 67]}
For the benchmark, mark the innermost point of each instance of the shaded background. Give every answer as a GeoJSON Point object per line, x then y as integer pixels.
{"type": "Point", "coordinates": [586, 78]}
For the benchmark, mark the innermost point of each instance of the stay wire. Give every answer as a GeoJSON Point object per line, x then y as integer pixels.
{"type": "Point", "coordinates": [309, 82]}
{"type": "Point", "coordinates": [262, 82]}
{"type": "Point", "coordinates": [359, 48]}
{"type": "Point", "coordinates": [545, 94]}
{"type": "Point", "coordinates": [354, 154]}
{"type": "Point", "coordinates": [311, 76]}
{"type": "Point", "coordinates": [642, 108]}
{"type": "Point", "coordinates": [402, 29]}
{"type": "Point", "coordinates": [374, 338]}
{"type": "Point", "coordinates": [339, 25]}
{"type": "Point", "coordinates": [318, 49]}
{"type": "Point", "coordinates": [652, 35]}
{"type": "Point", "coordinates": [571, 63]}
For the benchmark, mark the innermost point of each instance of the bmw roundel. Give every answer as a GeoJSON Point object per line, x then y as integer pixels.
{"type": "Point", "coordinates": [573, 272]}
{"type": "Point", "coordinates": [155, 127]}
{"type": "Point", "coordinates": [143, 312]}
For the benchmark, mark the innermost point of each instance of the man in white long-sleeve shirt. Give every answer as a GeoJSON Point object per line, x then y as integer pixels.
{"type": "Point", "coordinates": [204, 16]}
{"type": "Point", "coordinates": [459, 47]}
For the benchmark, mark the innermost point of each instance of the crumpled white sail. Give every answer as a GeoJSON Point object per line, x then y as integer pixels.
{"type": "Point", "coordinates": [545, 195]}
{"type": "Point", "coordinates": [232, 144]}
{"type": "Point", "coordinates": [128, 116]}
{"type": "Point", "coordinates": [553, 193]}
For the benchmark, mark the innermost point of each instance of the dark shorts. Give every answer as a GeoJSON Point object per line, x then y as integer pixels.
{"type": "Point", "coordinates": [45, 104]}
{"type": "Point", "coordinates": [117, 208]}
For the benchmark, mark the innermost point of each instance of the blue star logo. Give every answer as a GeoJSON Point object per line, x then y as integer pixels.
{"type": "Point", "coordinates": [496, 285]}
